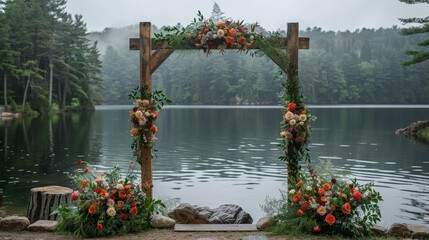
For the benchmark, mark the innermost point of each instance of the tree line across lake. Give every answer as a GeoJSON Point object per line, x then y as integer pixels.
{"type": "Point", "coordinates": [359, 67]}
{"type": "Point", "coordinates": [49, 61]}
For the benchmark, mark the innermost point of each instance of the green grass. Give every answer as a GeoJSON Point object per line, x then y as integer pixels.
{"type": "Point", "coordinates": [424, 133]}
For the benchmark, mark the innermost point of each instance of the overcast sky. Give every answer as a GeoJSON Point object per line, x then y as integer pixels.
{"type": "Point", "coordinates": [271, 14]}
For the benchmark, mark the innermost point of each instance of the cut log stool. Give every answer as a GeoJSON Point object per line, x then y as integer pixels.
{"type": "Point", "coordinates": [44, 199]}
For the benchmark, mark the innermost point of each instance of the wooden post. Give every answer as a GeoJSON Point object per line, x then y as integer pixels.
{"type": "Point", "coordinates": [146, 80]}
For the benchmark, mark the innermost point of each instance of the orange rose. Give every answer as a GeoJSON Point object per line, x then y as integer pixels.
{"type": "Point", "coordinates": [330, 219]}
{"type": "Point", "coordinates": [220, 25]}
{"type": "Point", "coordinates": [230, 40]}
{"type": "Point", "coordinates": [346, 208]}
{"type": "Point", "coordinates": [321, 210]}
{"type": "Point", "coordinates": [242, 39]}
{"type": "Point", "coordinates": [299, 212]}
{"type": "Point", "coordinates": [134, 211]}
{"type": "Point", "coordinates": [120, 204]}
{"type": "Point", "coordinates": [327, 186]}
{"type": "Point", "coordinates": [296, 198]}
{"type": "Point", "coordinates": [133, 204]}
{"type": "Point", "coordinates": [134, 132]}
{"type": "Point", "coordinates": [332, 206]}
{"type": "Point", "coordinates": [103, 193]}
{"type": "Point", "coordinates": [84, 182]}
{"type": "Point", "coordinates": [86, 170]}
{"type": "Point", "coordinates": [298, 184]}
{"type": "Point", "coordinates": [324, 198]}
{"type": "Point", "coordinates": [321, 191]}
{"type": "Point", "coordinates": [128, 187]}
{"type": "Point", "coordinates": [122, 194]}
{"type": "Point", "coordinates": [92, 209]}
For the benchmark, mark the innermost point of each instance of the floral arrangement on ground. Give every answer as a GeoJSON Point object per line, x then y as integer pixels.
{"type": "Point", "coordinates": [106, 204]}
{"type": "Point", "coordinates": [323, 203]}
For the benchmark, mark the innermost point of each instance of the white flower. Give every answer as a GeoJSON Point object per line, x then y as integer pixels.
{"type": "Point", "coordinates": [110, 202]}
{"type": "Point", "coordinates": [292, 191]}
{"type": "Point", "coordinates": [252, 37]}
{"type": "Point", "coordinates": [147, 114]}
{"type": "Point", "coordinates": [292, 122]}
{"type": "Point", "coordinates": [111, 211]}
{"type": "Point", "coordinates": [139, 114]}
{"type": "Point", "coordinates": [288, 116]}
{"type": "Point", "coordinates": [308, 188]}
{"type": "Point", "coordinates": [119, 186]}
{"type": "Point", "coordinates": [220, 33]}
{"type": "Point", "coordinates": [301, 123]}
{"type": "Point", "coordinates": [302, 117]}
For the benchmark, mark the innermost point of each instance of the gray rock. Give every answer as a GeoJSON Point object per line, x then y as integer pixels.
{"type": "Point", "coordinates": [419, 231]}
{"type": "Point", "coordinates": [263, 223]}
{"type": "Point", "coordinates": [379, 231]}
{"type": "Point", "coordinates": [14, 223]}
{"type": "Point", "coordinates": [186, 213]}
{"type": "Point", "coordinates": [160, 221]}
{"type": "Point", "coordinates": [258, 237]}
{"type": "Point", "coordinates": [399, 230]}
{"type": "Point", "coordinates": [43, 226]}
{"type": "Point", "coordinates": [230, 214]}
{"type": "Point", "coordinates": [413, 131]}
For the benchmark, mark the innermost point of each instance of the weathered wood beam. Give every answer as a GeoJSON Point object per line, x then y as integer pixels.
{"type": "Point", "coordinates": [159, 56]}
{"type": "Point", "coordinates": [145, 47]}
{"type": "Point", "coordinates": [304, 43]}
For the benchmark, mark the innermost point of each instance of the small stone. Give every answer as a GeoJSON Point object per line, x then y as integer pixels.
{"type": "Point", "coordinates": [263, 223]}
{"type": "Point", "coordinates": [419, 231]}
{"type": "Point", "coordinates": [258, 237]}
{"type": "Point", "coordinates": [43, 226]}
{"type": "Point", "coordinates": [399, 230]}
{"type": "Point", "coordinates": [14, 223]}
{"type": "Point", "coordinates": [160, 221]}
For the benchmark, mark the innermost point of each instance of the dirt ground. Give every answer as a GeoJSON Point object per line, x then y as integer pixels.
{"type": "Point", "coordinates": [154, 234]}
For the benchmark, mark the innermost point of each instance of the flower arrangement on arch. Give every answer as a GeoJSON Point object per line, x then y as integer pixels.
{"type": "Point", "coordinates": [206, 34]}
{"type": "Point", "coordinates": [296, 123]}
{"type": "Point", "coordinates": [106, 203]}
{"type": "Point", "coordinates": [143, 117]}
{"type": "Point", "coordinates": [333, 205]}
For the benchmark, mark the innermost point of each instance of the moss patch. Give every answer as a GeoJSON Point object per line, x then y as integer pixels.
{"type": "Point", "coordinates": [424, 133]}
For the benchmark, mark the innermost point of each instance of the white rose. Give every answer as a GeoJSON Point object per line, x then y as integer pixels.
{"type": "Point", "coordinates": [288, 116]}
{"type": "Point", "coordinates": [147, 114]}
{"type": "Point", "coordinates": [302, 117]}
{"type": "Point", "coordinates": [111, 211]}
{"type": "Point", "coordinates": [292, 122]}
{"type": "Point", "coordinates": [301, 123]}
{"type": "Point", "coordinates": [308, 188]}
{"type": "Point", "coordinates": [120, 186]}
{"type": "Point", "coordinates": [292, 191]}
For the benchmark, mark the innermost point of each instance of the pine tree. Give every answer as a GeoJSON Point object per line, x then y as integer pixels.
{"type": "Point", "coordinates": [417, 55]}
{"type": "Point", "coordinates": [217, 14]}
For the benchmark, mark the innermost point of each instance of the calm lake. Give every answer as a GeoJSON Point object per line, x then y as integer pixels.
{"type": "Point", "coordinates": [209, 156]}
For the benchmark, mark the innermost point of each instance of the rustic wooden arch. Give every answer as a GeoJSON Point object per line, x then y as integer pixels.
{"type": "Point", "coordinates": [149, 62]}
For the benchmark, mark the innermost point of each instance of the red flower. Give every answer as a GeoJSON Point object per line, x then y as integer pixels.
{"type": "Point", "coordinates": [242, 39]}
{"type": "Point", "coordinates": [97, 190]}
{"type": "Point", "coordinates": [332, 206]}
{"type": "Point", "coordinates": [100, 226]}
{"type": "Point", "coordinates": [321, 191]}
{"type": "Point", "coordinates": [351, 186]}
{"type": "Point", "coordinates": [220, 25]}
{"type": "Point", "coordinates": [333, 180]}
{"type": "Point", "coordinates": [133, 204]}
{"type": "Point", "coordinates": [346, 208]}
{"type": "Point", "coordinates": [304, 206]}
{"type": "Point", "coordinates": [296, 198]}
{"type": "Point", "coordinates": [291, 106]}
{"type": "Point", "coordinates": [122, 194]}
{"type": "Point", "coordinates": [153, 129]}
{"type": "Point", "coordinates": [103, 193]}
{"type": "Point", "coordinates": [232, 32]}
{"type": "Point", "coordinates": [86, 169]}
{"type": "Point", "coordinates": [84, 182]}
{"type": "Point", "coordinates": [299, 212]}
{"type": "Point", "coordinates": [357, 195]}
{"type": "Point", "coordinates": [230, 40]}
{"type": "Point", "coordinates": [298, 184]}
{"type": "Point", "coordinates": [120, 204]}
{"type": "Point", "coordinates": [128, 187]}
{"type": "Point", "coordinates": [124, 216]}
{"type": "Point", "coordinates": [135, 109]}
{"type": "Point", "coordinates": [79, 162]}
{"type": "Point", "coordinates": [316, 229]}
{"type": "Point", "coordinates": [300, 139]}
{"type": "Point", "coordinates": [92, 209]}
{"type": "Point", "coordinates": [330, 219]}
{"type": "Point", "coordinates": [134, 211]}
{"type": "Point", "coordinates": [75, 195]}
{"type": "Point", "coordinates": [327, 186]}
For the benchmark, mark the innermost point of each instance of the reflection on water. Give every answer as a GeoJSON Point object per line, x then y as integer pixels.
{"type": "Point", "coordinates": [210, 156]}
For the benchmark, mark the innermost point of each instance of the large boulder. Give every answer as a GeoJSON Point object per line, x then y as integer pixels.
{"type": "Point", "coordinates": [418, 231]}
{"type": "Point", "coordinates": [160, 221]}
{"type": "Point", "coordinates": [399, 230]}
{"type": "Point", "coordinates": [14, 223]}
{"type": "Point", "coordinates": [186, 213]}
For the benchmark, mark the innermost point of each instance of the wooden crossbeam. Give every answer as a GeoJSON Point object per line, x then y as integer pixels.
{"type": "Point", "coordinates": [304, 43]}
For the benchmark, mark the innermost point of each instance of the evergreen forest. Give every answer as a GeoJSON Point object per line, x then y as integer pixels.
{"type": "Point", "coordinates": [49, 61]}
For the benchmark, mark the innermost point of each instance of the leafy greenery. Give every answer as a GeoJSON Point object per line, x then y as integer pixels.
{"type": "Point", "coordinates": [422, 54]}
{"type": "Point", "coordinates": [46, 58]}
{"type": "Point", "coordinates": [106, 204]}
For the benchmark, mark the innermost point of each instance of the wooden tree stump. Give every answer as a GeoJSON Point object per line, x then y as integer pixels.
{"type": "Point", "coordinates": [44, 199]}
